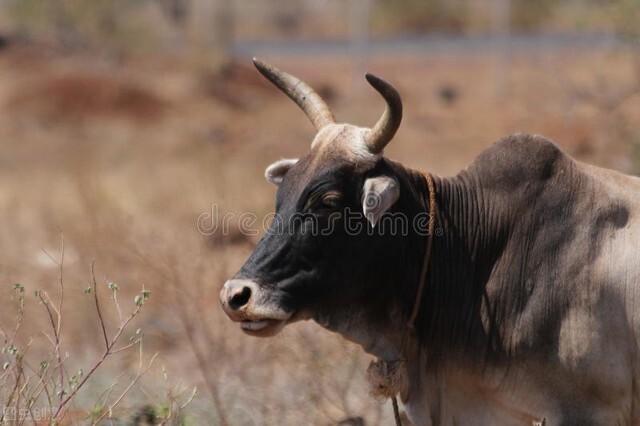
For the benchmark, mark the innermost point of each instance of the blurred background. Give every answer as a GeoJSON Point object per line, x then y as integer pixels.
{"type": "Point", "coordinates": [125, 123]}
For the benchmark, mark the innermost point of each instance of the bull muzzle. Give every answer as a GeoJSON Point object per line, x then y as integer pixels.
{"type": "Point", "coordinates": [236, 296]}
{"type": "Point", "coordinates": [246, 302]}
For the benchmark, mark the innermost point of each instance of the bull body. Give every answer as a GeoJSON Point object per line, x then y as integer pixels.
{"type": "Point", "coordinates": [531, 312]}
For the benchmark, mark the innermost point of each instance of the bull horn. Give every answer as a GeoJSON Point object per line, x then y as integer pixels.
{"type": "Point", "coordinates": [299, 92]}
{"type": "Point", "coordinates": [382, 133]}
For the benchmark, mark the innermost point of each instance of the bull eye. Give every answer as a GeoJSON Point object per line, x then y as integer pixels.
{"type": "Point", "coordinates": [323, 201]}
{"type": "Point", "coordinates": [331, 199]}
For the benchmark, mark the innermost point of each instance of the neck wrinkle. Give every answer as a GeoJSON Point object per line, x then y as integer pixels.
{"type": "Point", "coordinates": [465, 248]}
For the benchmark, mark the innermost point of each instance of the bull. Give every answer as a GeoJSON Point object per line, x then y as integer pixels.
{"type": "Point", "coordinates": [530, 308]}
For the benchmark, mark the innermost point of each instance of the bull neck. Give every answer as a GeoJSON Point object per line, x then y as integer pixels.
{"type": "Point", "coordinates": [450, 301]}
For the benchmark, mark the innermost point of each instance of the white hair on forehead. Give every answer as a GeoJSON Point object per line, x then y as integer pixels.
{"type": "Point", "coordinates": [347, 138]}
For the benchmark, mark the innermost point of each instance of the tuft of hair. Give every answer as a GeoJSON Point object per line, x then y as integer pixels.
{"type": "Point", "coordinates": [387, 378]}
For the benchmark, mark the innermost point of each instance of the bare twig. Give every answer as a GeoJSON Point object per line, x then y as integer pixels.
{"type": "Point", "coordinates": [125, 347]}
{"type": "Point", "coordinates": [19, 375]}
{"type": "Point", "coordinates": [55, 340]}
{"type": "Point", "coordinates": [20, 314]}
{"type": "Point", "coordinates": [61, 284]}
{"type": "Point", "coordinates": [188, 401]}
{"type": "Point", "coordinates": [95, 297]}
{"type": "Point", "coordinates": [139, 374]}
{"type": "Point", "coordinates": [108, 351]}
{"type": "Point", "coordinates": [114, 294]}
{"type": "Point", "coordinates": [26, 386]}
{"type": "Point", "coordinates": [56, 325]}
{"type": "Point", "coordinates": [173, 401]}
{"type": "Point", "coordinates": [41, 374]}
{"type": "Point", "coordinates": [106, 394]}
{"type": "Point", "coordinates": [17, 368]}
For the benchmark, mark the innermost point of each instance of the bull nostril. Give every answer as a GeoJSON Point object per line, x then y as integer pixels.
{"type": "Point", "coordinates": [240, 298]}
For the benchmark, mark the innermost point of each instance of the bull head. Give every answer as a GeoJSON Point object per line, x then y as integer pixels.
{"type": "Point", "coordinates": [311, 263]}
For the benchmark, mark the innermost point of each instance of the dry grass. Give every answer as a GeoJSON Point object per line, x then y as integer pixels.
{"type": "Point", "coordinates": [123, 158]}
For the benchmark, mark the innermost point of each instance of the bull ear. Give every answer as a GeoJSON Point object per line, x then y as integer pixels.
{"type": "Point", "coordinates": [379, 194]}
{"type": "Point", "coordinates": [275, 172]}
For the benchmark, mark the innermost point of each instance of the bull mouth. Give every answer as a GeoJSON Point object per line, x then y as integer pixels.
{"type": "Point", "coordinates": [257, 312]}
{"type": "Point", "coordinates": [262, 327]}
{"type": "Point", "coordinates": [268, 327]}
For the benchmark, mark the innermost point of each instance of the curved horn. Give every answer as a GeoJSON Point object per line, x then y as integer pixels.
{"type": "Point", "coordinates": [380, 135]}
{"type": "Point", "coordinates": [299, 92]}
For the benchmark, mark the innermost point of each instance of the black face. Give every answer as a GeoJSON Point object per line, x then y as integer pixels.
{"type": "Point", "coordinates": [320, 253]}
{"type": "Point", "coordinates": [309, 255]}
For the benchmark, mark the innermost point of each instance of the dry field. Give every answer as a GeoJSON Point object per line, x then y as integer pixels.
{"type": "Point", "coordinates": [123, 157]}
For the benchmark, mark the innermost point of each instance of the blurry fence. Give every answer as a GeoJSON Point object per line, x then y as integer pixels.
{"type": "Point", "coordinates": [219, 30]}
{"type": "Point", "coordinates": [231, 26]}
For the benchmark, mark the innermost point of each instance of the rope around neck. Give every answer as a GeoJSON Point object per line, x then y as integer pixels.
{"type": "Point", "coordinates": [427, 253]}
{"type": "Point", "coordinates": [423, 275]}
